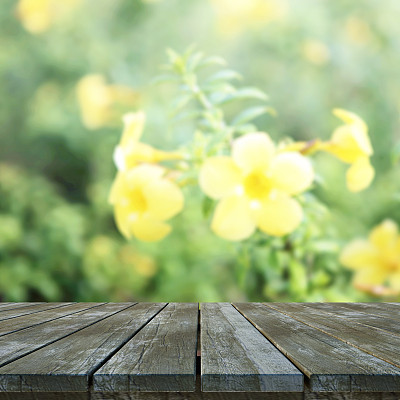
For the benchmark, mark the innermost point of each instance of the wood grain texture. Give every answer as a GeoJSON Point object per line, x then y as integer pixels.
{"type": "Point", "coordinates": [235, 356]}
{"type": "Point", "coordinates": [196, 396]}
{"type": "Point", "coordinates": [351, 396]}
{"type": "Point", "coordinates": [67, 364]}
{"type": "Point", "coordinates": [152, 396]}
{"type": "Point", "coordinates": [374, 341]}
{"type": "Point", "coordinates": [376, 321]}
{"type": "Point", "coordinates": [25, 321]}
{"type": "Point", "coordinates": [45, 396]}
{"type": "Point", "coordinates": [329, 364]}
{"type": "Point", "coordinates": [160, 357]}
{"type": "Point", "coordinates": [36, 308]}
{"type": "Point", "coordinates": [18, 344]}
{"type": "Point", "coordinates": [388, 310]}
{"type": "Point", "coordinates": [11, 306]}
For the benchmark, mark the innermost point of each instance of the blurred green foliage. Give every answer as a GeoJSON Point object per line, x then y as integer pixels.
{"type": "Point", "coordinates": [58, 240]}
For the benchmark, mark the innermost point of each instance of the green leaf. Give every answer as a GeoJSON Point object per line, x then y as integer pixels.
{"type": "Point", "coordinates": [210, 61]}
{"type": "Point", "coordinates": [246, 128]}
{"type": "Point", "coordinates": [241, 94]}
{"type": "Point", "coordinates": [164, 78]}
{"type": "Point", "coordinates": [186, 116]}
{"type": "Point", "coordinates": [194, 60]}
{"type": "Point", "coordinates": [224, 75]}
{"type": "Point", "coordinates": [207, 206]}
{"type": "Point", "coordinates": [251, 113]}
{"type": "Point", "coordinates": [179, 103]}
{"type": "Point", "coordinates": [173, 56]}
{"type": "Point", "coordinates": [298, 277]}
{"type": "Point", "coordinates": [395, 154]}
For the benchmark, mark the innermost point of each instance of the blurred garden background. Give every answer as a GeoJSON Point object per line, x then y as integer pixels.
{"type": "Point", "coordinates": [69, 70]}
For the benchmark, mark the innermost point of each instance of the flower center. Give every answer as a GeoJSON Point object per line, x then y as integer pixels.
{"type": "Point", "coordinates": [138, 201]}
{"type": "Point", "coordinates": [257, 185]}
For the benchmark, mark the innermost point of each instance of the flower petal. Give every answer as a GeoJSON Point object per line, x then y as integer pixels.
{"type": "Point", "coordinates": [360, 175]}
{"type": "Point", "coordinates": [360, 254]}
{"type": "Point", "coordinates": [348, 143]}
{"type": "Point", "coordinates": [253, 151]}
{"type": "Point", "coordinates": [123, 216]}
{"type": "Point", "coordinates": [164, 199]}
{"type": "Point", "coordinates": [219, 176]}
{"type": "Point", "coordinates": [133, 128]}
{"type": "Point", "coordinates": [349, 117]}
{"type": "Point", "coordinates": [232, 219]}
{"type": "Point", "coordinates": [150, 230]}
{"type": "Point", "coordinates": [385, 236]}
{"type": "Point", "coordinates": [143, 174]}
{"type": "Point", "coordinates": [291, 172]}
{"type": "Point", "coordinates": [279, 215]}
{"type": "Point", "coordinates": [368, 278]}
{"type": "Point", "coordinates": [394, 281]}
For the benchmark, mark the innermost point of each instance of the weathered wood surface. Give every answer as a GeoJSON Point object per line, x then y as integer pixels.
{"type": "Point", "coordinates": [236, 357]}
{"type": "Point", "coordinates": [388, 310]}
{"type": "Point", "coordinates": [36, 308]}
{"type": "Point", "coordinates": [21, 343]}
{"type": "Point", "coordinates": [147, 351]}
{"type": "Point", "coordinates": [25, 321]}
{"type": "Point", "coordinates": [160, 357]}
{"type": "Point", "coordinates": [161, 396]}
{"type": "Point", "coordinates": [375, 341]}
{"type": "Point", "coordinates": [67, 364]}
{"type": "Point", "coordinates": [361, 317]}
{"type": "Point", "coordinates": [198, 396]}
{"type": "Point", "coordinates": [8, 306]}
{"type": "Point", "coordinates": [330, 364]}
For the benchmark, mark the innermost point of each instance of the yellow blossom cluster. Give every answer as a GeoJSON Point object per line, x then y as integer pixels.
{"type": "Point", "coordinates": [101, 103]}
{"type": "Point", "coordinates": [37, 16]}
{"type": "Point", "coordinates": [143, 196]}
{"type": "Point", "coordinates": [350, 143]}
{"type": "Point", "coordinates": [254, 187]}
{"type": "Point", "coordinates": [237, 16]}
{"type": "Point", "coordinates": [376, 260]}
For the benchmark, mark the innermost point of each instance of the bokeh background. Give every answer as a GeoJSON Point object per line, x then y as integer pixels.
{"type": "Point", "coordinates": [58, 240]}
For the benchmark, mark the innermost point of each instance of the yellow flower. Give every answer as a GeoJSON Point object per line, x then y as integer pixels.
{"type": "Point", "coordinates": [316, 52]}
{"type": "Point", "coordinates": [143, 200]}
{"type": "Point", "coordinates": [376, 261]}
{"type": "Point", "coordinates": [350, 143]}
{"type": "Point", "coordinates": [38, 15]}
{"type": "Point", "coordinates": [99, 101]}
{"type": "Point", "coordinates": [236, 16]}
{"type": "Point", "coordinates": [131, 151]}
{"type": "Point", "coordinates": [254, 187]}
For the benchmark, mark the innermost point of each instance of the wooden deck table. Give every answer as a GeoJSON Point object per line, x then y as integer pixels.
{"type": "Point", "coordinates": [215, 351]}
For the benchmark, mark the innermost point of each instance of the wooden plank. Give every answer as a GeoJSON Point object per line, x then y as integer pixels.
{"type": "Point", "coordinates": [330, 364]}
{"type": "Point", "coordinates": [67, 364]}
{"type": "Point", "coordinates": [155, 396]}
{"type": "Point", "coordinates": [160, 357]}
{"type": "Point", "coordinates": [196, 396]}
{"type": "Point", "coordinates": [25, 321]}
{"type": "Point", "coordinates": [235, 356]}
{"type": "Point", "coordinates": [8, 306]}
{"type": "Point", "coordinates": [18, 344]}
{"type": "Point", "coordinates": [374, 341]}
{"type": "Point", "coordinates": [377, 321]}
{"type": "Point", "coordinates": [351, 396]}
{"type": "Point", "coordinates": [388, 310]}
{"type": "Point", "coordinates": [35, 308]}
